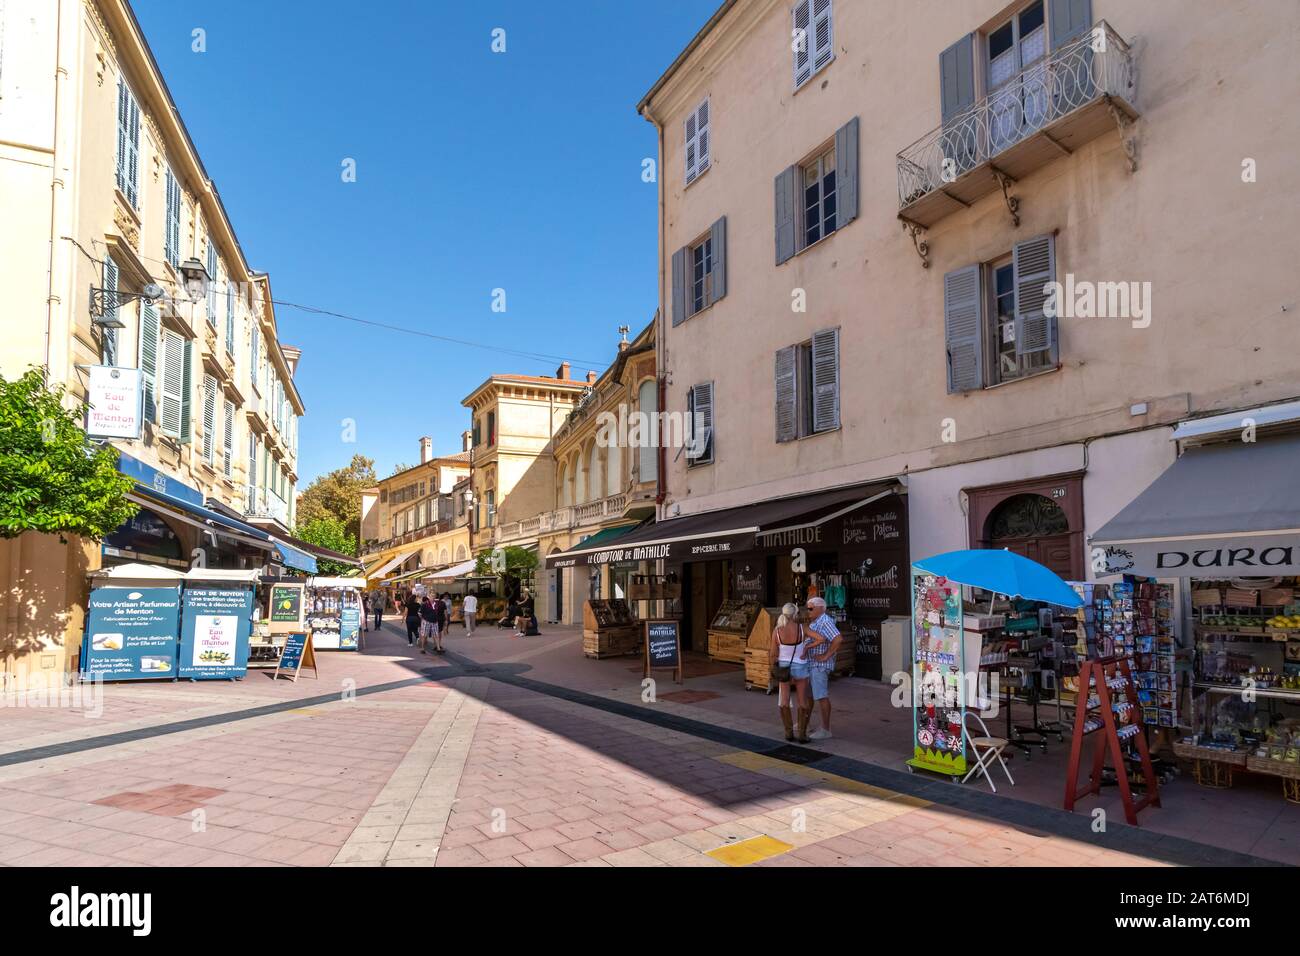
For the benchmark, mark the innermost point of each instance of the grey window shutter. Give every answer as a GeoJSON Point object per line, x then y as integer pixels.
{"type": "Point", "coordinates": [787, 213]}
{"type": "Point", "coordinates": [803, 51]}
{"type": "Point", "coordinates": [212, 283]}
{"type": "Point", "coordinates": [187, 393]}
{"type": "Point", "coordinates": [108, 337]}
{"type": "Point", "coordinates": [787, 427]}
{"type": "Point", "coordinates": [702, 137]}
{"type": "Point", "coordinates": [826, 380]}
{"type": "Point", "coordinates": [823, 46]}
{"type": "Point", "coordinates": [692, 149]}
{"type": "Point", "coordinates": [679, 286]}
{"type": "Point", "coordinates": [1033, 266]}
{"type": "Point", "coordinates": [228, 440]}
{"type": "Point", "coordinates": [121, 135]}
{"type": "Point", "coordinates": [149, 358]}
{"type": "Point", "coordinates": [957, 77]}
{"type": "Point", "coordinates": [133, 151]}
{"type": "Point", "coordinates": [1070, 20]}
{"type": "Point", "coordinates": [230, 316]}
{"type": "Point", "coordinates": [718, 237]}
{"type": "Point", "coordinates": [846, 173]}
{"type": "Point", "coordinates": [701, 407]}
{"type": "Point", "coordinates": [209, 417]}
{"type": "Point", "coordinates": [168, 250]}
{"type": "Point", "coordinates": [963, 327]}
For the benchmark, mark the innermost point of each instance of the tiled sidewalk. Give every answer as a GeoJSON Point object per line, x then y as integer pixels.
{"type": "Point", "coordinates": [393, 758]}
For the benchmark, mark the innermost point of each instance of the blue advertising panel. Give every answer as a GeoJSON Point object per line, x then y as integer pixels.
{"type": "Point", "coordinates": [349, 628]}
{"type": "Point", "coordinates": [131, 633]}
{"type": "Point", "coordinates": [214, 631]}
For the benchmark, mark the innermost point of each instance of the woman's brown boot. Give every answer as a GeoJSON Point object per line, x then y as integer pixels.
{"type": "Point", "coordinates": [802, 735]}
{"type": "Point", "coordinates": [787, 720]}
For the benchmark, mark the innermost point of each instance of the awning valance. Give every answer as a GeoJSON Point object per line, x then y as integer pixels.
{"type": "Point", "coordinates": [720, 534]}
{"type": "Point", "coordinates": [200, 517]}
{"type": "Point", "coordinates": [387, 566]}
{"type": "Point", "coordinates": [453, 572]}
{"type": "Point", "coordinates": [1219, 510]}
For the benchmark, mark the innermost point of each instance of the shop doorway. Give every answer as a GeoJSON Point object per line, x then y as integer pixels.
{"type": "Point", "coordinates": [1040, 519]}
{"type": "Point", "coordinates": [704, 588]}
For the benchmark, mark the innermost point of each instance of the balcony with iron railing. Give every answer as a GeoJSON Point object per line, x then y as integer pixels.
{"type": "Point", "coordinates": [562, 519]}
{"type": "Point", "coordinates": [1048, 110]}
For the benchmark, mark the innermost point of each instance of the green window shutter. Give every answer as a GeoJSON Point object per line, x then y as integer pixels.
{"type": "Point", "coordinates": [679, 285]}
{"type": "Point", "coordinates": [846, 173]}
{"type": "Point", "coordinates": [1070, 20]}
{"type": "Point", "coordinates": [228, 440]}
{"type": "Point", "coordinates": [787, 428]}
{"type": "Point", "coordinates": [133, 151]}
{"type": "Point", "coordinates": [121, 135]}
{"type": "Point", "coordinates": [787, 213]}
{"type": "Point", "coordinates": [209, 418]}
{"type": "Point", "coordinates": [187, 392]}
{"type": "Point", "coordinates": [108, 337]}
{"type": "Point", "coordinates": [963, 323]}
{"type": "Point", "coordinates": [718, 237]}
{"type": "Point", "coordinates": [826, 380]}
{"type": "Point", "coordinates": [149, 328]}
{"type": "Point", "coordinates": [173, 363]}
{"type": "Point", "coordinates": [1033, 265]}
{"type": "Point", "coordinates": [230, 317]}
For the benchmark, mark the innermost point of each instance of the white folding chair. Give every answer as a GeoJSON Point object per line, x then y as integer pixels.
{"type": "Point", "coordinates": [984, 749]}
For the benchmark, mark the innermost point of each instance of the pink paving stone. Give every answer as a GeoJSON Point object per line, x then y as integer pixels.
{"type": "Point", "coordinates": [459, 856]}
{"type": "Point", "coordinates": [584, 849]}
{"type": "Point", "coordinates": [540, 839]}
{"type": "Point", "coordinates": [662, 831]}
{"type": "Point", "coordinates": [579, 829]}
{"type": "Point", "coordinates": [546, 856]}
{"type": "Point", "coordinates": [623, 839]}
{"type": "Point", "coordinates": [499, 849]}
{"type": "Point", "coordinates": [536, 821]}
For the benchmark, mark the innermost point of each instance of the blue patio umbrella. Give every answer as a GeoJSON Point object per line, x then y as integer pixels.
{"type": "Point", "coordinates": [1003, 572]}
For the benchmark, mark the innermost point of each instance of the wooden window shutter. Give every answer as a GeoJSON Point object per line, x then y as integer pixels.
{"type": "Point", "coordinates": [805, 41]}
{"type": "Point", "coordinates": [718, 237]}
{"type": "Point", "coordinates": [149, 328]}
{"type": "Point", "coordinates": [846, 173]}
{"type": "Point", "coordinates": [963, 324]}
{"type": "Point", "coordinates": [121, 135]}
{"type": "Point", "coordinates": [228, 440]}
{"type": "Point", "coordinates": [187, 393]}
{"type": "Point", "coordinates": [823, 35]}
{"type": "Point", "coordinates": [1070, 20]}
{"type": "Point", "coordinates": [700, 405]}
{"type": "Point", "coordinates": [212, 283]}
{"type": "Point", "coordinates": [1033, 265]}
{"type": "Point", "coordinates": [787, 426]}
{"type": "Point", "coordinates": [169, 251]}
{"type": "Point", "coordinates": [702, 137]}
{"type": "Point", "coordinates": [679, 285]}
{"type": "Point", "coordinates": [826, 380]}
{"type": "Point", "coordinates": [787, 213]}
{"type": "Point", "coordinates": [253, 348]}
{"type": "Point", "coordinates": [230, 316]}
{"type": "Point", "coordinates": [108, 337]}
{"type": "Point", "coordinates": [692, 165]}
{"type": "Point", "coordinates": [133, 151]}
{"type": "Point", "coordinates": [209, 417]}
{"type": "Point", "coordinates": [173, 357]}
{"type": "Point", "coordinates": [957, 77]}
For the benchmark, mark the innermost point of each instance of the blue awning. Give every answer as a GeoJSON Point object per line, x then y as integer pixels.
{"type": "Point", "coordinates": [293, 558]}
{"type": "Point", "coordinates": [204, 517]}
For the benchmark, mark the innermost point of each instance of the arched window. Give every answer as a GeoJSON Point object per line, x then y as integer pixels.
{"type": "Point", "coordinates": [444, 557]}
{"type": "Point", "coordinates": [563, 484]}
{"type": "Point", "coordinates": [594, 479]}
{"type": "Point", "coordinates": [647, 401]}
{"type": "Point", "coordinates": [614, 469]}
{"type": "Point", "coordinates": [461, 553]}
{"type": "Point", "coordinates": [1027, 516]}
{"type": "Point", "coordinates": [579, 481]}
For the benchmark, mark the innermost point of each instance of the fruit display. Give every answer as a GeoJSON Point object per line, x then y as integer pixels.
{"type": "Point", "coordinates": [1284, 622]}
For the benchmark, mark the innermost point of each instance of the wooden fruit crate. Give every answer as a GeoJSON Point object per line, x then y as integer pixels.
{"type": "Point", "coordinates": [758, 675]}
{"type": "Point", "coordinates": [727, 646]}
{"type": "Point", "coordinates": [1207, 597]}
{"type": "Point", "coordinates": [1240, 597]}
{"type": "Point", "coordinates": [611, 642]}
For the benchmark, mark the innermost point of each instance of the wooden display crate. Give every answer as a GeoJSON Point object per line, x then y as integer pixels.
{"type": "Point", "coordinates": [611, 641]}
{"type": "Point", "coordinates": [1207, 597]}
{"type": "Point", "coordinates": [727, 646]}
{"type": "Point", "coordinates": [758, 673]}
{"type": "Point", "coordinates": [1276, 597]}
{"type": "Point", "coordinates": [1240, 597]}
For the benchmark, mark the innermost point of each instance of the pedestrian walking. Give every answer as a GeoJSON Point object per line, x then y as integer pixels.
{"type": "Point", "coordinates": [428, 622]}
{"type": "Point", "coordinates": [823, 642]}
{"type": "Point", "coordinates": [791, 670]}
{"type": "Point", "coordinates": [412, 620]}
{"type": "Point", "coordinates": [377, 608]}
{"type": "Point", "coordinates": [469, 608]}
{"type": "Point", "coordinates": [441, 618]}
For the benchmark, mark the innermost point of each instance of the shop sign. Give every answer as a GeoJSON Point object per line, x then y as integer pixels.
{"type": "Point", "coordinates": [296, 652]}
{"type": "Point", "coordinates": [114, 402]}
{"type": "Point", "coordinates": [286, 607]}
{"type": "Point", "coordinates": [873, 528]}
{"type": "Point", "coordinates": [215, 632]}
{"type": "Point", "coordinates": [702, 549]}
{"type": "Point", "coordinates": [663, 647]}
{"type": "Point", "coordinates": [1244, 556]}
{"type": "Point", "coordinates": [154, 481]}
{"type": "Point", "coordinates": [131, 633]}
{"type": "Point", "coordinates": [349, 628]}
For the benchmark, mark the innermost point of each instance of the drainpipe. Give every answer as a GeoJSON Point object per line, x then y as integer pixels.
{"type": "Point", "coordinates": [661, 337]}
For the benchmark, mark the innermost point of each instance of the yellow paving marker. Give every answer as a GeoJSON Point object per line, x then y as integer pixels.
{"type": "Point", "coordinates": [759, 763]}
{"type": "Point", "coordinates": [304, 710]}
{"type": "Point", "coordinates": [750, 851]}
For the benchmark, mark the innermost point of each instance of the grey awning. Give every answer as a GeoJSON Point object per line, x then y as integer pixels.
{"type": "Point", "coordinates": [1219, 509]}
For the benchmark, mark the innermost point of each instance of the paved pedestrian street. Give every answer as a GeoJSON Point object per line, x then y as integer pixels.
{"type": "Point", "coordinates": [397, 759]}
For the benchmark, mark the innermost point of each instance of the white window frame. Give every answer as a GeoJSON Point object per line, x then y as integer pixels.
{"type": "Point", "coordinates": [825, 53]}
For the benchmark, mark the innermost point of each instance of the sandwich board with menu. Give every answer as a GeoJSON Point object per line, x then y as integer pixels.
{"type": "Point", "coordinates": [663, 647]}
{"type": "Point", "coordinates": [297, 651]}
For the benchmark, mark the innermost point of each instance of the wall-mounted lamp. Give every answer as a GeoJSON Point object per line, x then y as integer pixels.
{"type": "Point", "coordinates": [101, 300]}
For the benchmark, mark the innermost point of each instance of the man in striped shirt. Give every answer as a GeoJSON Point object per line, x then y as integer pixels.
{"type": "Point", "coordinates": [820, 650]}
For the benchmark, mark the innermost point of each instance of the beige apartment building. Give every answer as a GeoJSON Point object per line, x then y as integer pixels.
{"type": "Point", "coordinates": [514, 422]}
{"type": "Point", "coordinates": [103, 196]}
{"type": "Point", "coordinates": [415, 522]}
{"type": "Point", "coordinates": [863, 208]}
{"type": "Point", "coordinates": [605, 485]}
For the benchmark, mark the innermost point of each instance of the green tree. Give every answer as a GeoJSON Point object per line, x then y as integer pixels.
{"type": "Point", "coordinates": [329, 533]}
{"type": "Point", "coordinates": [509, 561]}
{"type": "Point", "coordinates": [338, 495]}
{"type": "Point", "coordinates": [51, 479]}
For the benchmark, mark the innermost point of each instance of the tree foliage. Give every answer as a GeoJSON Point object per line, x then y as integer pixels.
{"type": "Point", "coordinates": [509, 561]}
{"type": "Point", "coordinates": [51, 480]}
{"type": "Point", "coordinates": [329, 532]}
{"type": "Point", "coordinates": [338, 495]}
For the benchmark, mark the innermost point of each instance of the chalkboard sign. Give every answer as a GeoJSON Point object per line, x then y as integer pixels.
{"type": "Point", "coordinates": [297, 651]}
{"type": "Point", "coordinates": [663, 647]}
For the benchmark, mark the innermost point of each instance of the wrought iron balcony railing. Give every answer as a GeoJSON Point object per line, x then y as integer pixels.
{"type": "Point", "coordinates": [1052, 107]}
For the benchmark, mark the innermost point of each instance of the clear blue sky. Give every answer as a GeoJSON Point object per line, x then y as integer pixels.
{"type": "Point", "coordinates": [475, 171]}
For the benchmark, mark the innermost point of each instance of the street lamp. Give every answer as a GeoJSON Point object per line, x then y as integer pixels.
{"type": "Point", "coordinates": [104, 303]}
{"type": "Point", "coordinates": [195, 278]}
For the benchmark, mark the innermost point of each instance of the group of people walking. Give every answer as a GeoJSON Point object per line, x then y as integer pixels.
{"type": "Point", "coordinates": [428, 619]}
{"type": "Point", "coordinates": [803, 656]}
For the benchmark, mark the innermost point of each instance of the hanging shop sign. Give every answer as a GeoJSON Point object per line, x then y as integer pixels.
{"type": "Point", "coordinates": [938, 666]}
{"type": "Point", "coordinates": [663, 647]}
{"type": "Point", "coordinates": [131, 633]}
{"type": "Point", "coordinates": [215, 632]}
{"type": "Point", "coordinates": [286, 610]}
{"type": "Point", "coordinates": [297, 651]}
{"type": "Point", "coordinates": [692, 549]}
{"type": "Point", "coordinates": [114, 402]}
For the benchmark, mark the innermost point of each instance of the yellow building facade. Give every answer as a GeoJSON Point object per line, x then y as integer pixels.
{"type": "Point", "coordinates": [104, 196]}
